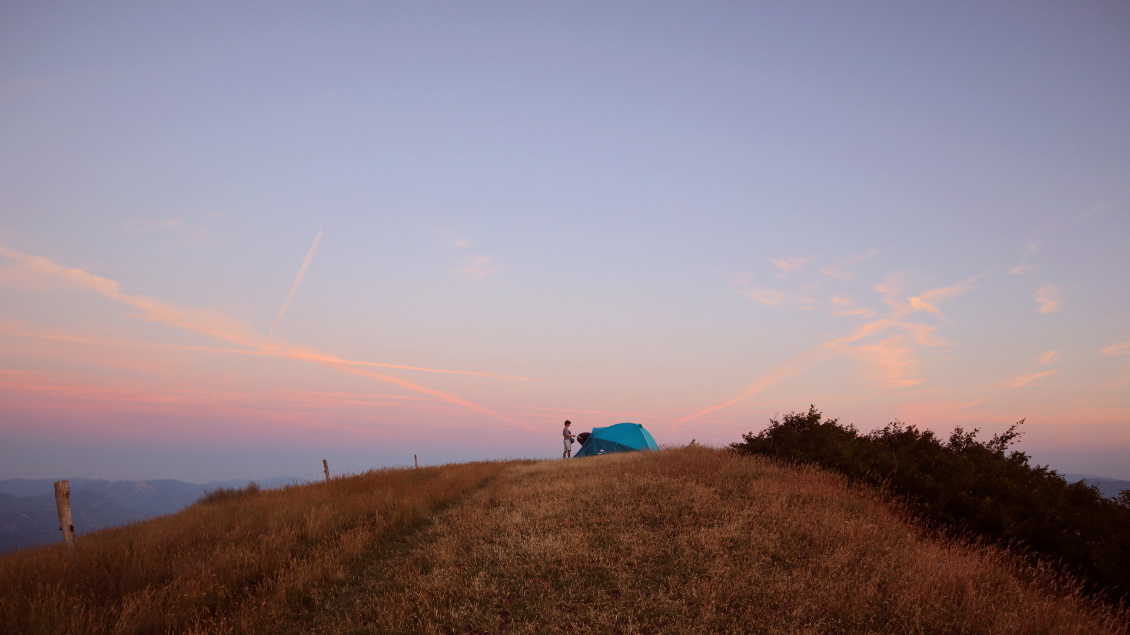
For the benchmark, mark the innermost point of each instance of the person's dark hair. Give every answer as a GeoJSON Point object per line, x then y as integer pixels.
{"type": "Point", "coordinates": [567, 422]}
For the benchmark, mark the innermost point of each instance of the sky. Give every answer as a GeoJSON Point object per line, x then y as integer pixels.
{"type": "Point", "coordinates": [240, 238]}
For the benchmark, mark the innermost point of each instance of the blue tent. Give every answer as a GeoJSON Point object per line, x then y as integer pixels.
{"type": "Point", "coordinates": [622, 437]}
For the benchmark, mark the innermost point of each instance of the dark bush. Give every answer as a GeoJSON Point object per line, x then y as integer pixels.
{"type": "Point", "coordinates": [227, 493]}
{"type": "Point", "coordinates": [979, 489]}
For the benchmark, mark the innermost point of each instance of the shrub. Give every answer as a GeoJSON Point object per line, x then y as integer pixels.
{"type": "Point", "coordinates": [979, 489]}
{"type": "Point", "coordinates": [221, 494]}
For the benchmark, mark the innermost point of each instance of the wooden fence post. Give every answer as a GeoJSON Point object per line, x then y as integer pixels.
{"type": "Point", "coordinates": [326, 465]}
{"type": "Point", "coordinates": [416, 461]}
{"type": "Point", "coordinates": [66, 522]}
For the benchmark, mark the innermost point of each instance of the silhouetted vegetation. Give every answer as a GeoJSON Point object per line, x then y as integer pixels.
{"type": "Point", "coordinates": [221, 494]}
{"type": "Point", "coordinates": [978, 488]}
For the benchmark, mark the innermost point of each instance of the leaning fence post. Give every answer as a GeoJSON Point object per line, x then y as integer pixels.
{"type": "Point", "coordinates": [66, 522]}
{"type": "Point", "coordinates": [416, 461]}
{"type": "Point", "coordinates": [326, 465]}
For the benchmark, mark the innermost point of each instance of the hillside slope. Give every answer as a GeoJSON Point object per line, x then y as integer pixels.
{"type": "Point", "coordinates": [28, 515]}
{"type": "Point", "coordinates": [688, 540]}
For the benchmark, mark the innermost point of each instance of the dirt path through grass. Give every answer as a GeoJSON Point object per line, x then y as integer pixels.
{"type": "Point", "coordinates": [689, 541]}
{"type": "Point", "coordinates": [380, 565]}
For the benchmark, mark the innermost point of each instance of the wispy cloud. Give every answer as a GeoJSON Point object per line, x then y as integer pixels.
{"type": "Point", "coordinates": [921, 305]}
{"type": "Point", "coordinates": [1024, 380]}
{"type": "Point", "coordinates": [27, 331]}
{"type": "Point", "coordinates": [453, 238]}
{"type": "Point", "coordinates": [1047, 357]}
{"type": "Point", "coordinates": [1118, 382]}
{"type": "Point", "coordinates": [279, 412]}
{"type": "Point", "coordinates": [1021, 270]}
{"type": "Point", "coordinates": [802, 297]}
{"type": "Point", "coordinates": [297, 281]}
{"type": "Point", "coordinates": [891, 287]}
{"type": "Point", "coordinates": [768, 297]}
{"type": "Point", "coordinates": [139, 226]}
{"type": "Point", "coordinates": [1048, 298]}
{"type": "Point", "coordinates": [789, 265]}
{"type": "Point", "coordinates": [30, 272]}
{"type": "Point", "coordinates": [1121, 348]}
{"type": "Point", "coordinates": [190, 230]}
{"type": "Point", "coordinates": [892, 360]}
{"type": "Point", "coordinates": [839, 271]}
{"type": "Point", "coordinates": [845, 306]}
{"type": "Point", "coordinates": [478, 267]}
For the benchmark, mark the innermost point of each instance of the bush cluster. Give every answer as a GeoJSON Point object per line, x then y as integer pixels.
{"type": "Point", "coordinates": [221, 494]}
{"type": "Point", "coordinates": [979, 489]}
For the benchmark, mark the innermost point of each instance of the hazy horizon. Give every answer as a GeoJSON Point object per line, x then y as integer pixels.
{"type": "Point", "coordinates": [238, 240]}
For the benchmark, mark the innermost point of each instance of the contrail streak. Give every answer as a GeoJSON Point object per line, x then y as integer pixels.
{"type": "Point", "coordinates": [297, 281]}
{"type": "Point", "coordinates": [15, 330]}
{"type": "Point", "coordinates": [37, 272]}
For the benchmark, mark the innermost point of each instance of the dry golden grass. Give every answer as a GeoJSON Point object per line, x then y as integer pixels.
{"type": "Point", "coordinates": [233, 565]}
{"type": "Point", "coordinates": [694, 541]}
{"type": "Point", "coordinates": [687, 540]}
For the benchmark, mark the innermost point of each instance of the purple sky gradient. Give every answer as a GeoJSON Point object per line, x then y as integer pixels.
{"type": "Point", "coordinates": [693, 217]}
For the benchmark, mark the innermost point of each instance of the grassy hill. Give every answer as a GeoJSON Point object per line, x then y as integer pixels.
{"type": "Point", "coordinates": [686, 540]}
{"type": "Point", "coordinates": [28, 515]}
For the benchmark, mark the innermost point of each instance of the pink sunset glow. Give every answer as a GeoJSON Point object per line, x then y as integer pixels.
{"type": "Point", "coordinates": [233, 244]}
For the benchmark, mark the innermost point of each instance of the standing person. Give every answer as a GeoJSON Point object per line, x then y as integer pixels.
{"type": "Point", "coordinates": [568, 440]}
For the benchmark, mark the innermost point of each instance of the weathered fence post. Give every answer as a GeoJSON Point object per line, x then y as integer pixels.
{"type": "Point", "coordinates": [326, 464]}
{"type": "Point", "coordinates": [63, 502]}
{"type": "Point", "coordinates": [416, 461]}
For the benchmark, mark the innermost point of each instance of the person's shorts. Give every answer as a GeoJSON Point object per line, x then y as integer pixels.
{"type": "Point", "coordinates": [568, 445]}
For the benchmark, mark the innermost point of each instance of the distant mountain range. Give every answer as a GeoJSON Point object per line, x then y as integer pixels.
{"type": "Point", "coordinates": [28, 515]}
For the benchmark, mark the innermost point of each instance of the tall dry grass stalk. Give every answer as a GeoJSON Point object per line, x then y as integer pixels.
{"type": "Point", "coordinates": [232, 565]}
{"type": "Point", "coordinates": [695, 541]}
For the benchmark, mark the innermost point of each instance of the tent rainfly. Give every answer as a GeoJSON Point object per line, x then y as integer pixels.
{"type": "Point", "coordinates": [622, 437]}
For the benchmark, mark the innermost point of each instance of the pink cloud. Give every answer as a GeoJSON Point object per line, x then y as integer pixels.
{"type": "Point", "coordinates": [35, 272]}
{"type": "Point", "coordinates": [1048, 297]}
{"type": "Point", "coordinates": [767, 297]}
{"type": "Point", "coordinates": [921, 305]}
{"type": "Point", "coordinates": [124, 407]}
{"type": "Point", "coordinates": [477, 267]}
{"type": "Point", "coordinates": [893, 363]}
{"type": "Point", "coordinates": [454, 239]}
{"type": "Point", "coordinates": [838, 270]}
{"type": "Point", "coordinates": [844, 306]}
{"type": "Point", "coordinates": [1024, 380]}
{"type": "Point", "coordinates": [790, 264]}
{"type": "Point", "coordinates": [1121, 348]}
